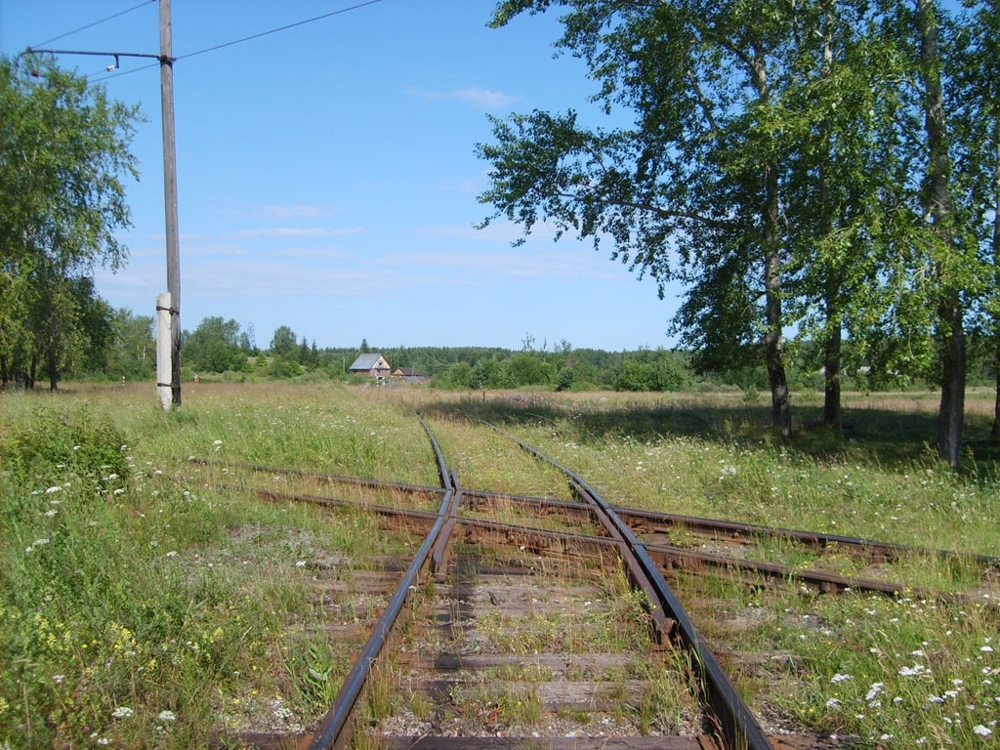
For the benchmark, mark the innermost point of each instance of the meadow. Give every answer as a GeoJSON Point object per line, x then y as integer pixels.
{"type": "Point", "coordinates": [145, 602]}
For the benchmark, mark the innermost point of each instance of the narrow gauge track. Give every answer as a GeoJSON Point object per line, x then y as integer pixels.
{"type": "Point", "coordinates": [695, 544]}
{"type": "Point", "coordinates": [591, 627]}
{"type": "Point", "coordinates": [473, 580]}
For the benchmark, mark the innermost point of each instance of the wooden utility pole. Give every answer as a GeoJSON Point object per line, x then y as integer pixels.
{"type": "Point", "coordinates": [170, 196]}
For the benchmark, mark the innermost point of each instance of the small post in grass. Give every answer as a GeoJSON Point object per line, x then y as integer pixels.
{"type": "Point", "coordinates": [164, 349]}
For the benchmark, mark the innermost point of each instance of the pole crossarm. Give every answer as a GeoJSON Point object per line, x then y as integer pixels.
{"type": "Point", "coordinates": [116, 55]}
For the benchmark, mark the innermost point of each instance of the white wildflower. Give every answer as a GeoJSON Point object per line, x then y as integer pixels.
{"type": "Point", "coordinates": [982, 731]}
{"type": "Point", "coordinates": [167, 716]}
{"type": "Point", "coordinates": [840, 678]}
{"type": "Point", "coordinates": [122, 712]}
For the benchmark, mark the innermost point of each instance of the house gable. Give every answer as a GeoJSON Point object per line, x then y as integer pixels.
{"type": "Point", "coordinates": [370, 364]}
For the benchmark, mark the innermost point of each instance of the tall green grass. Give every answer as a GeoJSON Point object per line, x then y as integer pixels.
{"type": "Point", "coordinates": [143, 605]}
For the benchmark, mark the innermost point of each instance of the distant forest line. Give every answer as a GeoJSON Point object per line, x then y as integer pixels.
{"type": "Point", "coordinates": [220, 350]}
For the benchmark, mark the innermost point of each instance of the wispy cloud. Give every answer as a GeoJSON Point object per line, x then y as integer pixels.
{"type": "Point", "coordinates": [295, 232]}
{"type": "Point", "coordinates": [456, 265]}
{"type": "Point", "coordinates": [497, 231]}
{"type": "Point", "coordinates": [283, 213]}
{"type": "Point", "coordinates": [314, 252]}
{"type": "Point", "coordinates": [189, 249]}
{"type": "Point", "coordinates": [472, 95]}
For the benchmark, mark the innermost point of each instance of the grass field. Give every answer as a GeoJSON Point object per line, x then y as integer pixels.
{"type": "Point", "coordinates": [142, 604]}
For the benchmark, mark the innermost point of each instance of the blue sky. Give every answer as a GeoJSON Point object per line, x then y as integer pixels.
{"type": "Point", "coordinates": [327, 174]}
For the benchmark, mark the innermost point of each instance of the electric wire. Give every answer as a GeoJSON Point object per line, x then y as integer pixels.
{"type": "Point", "coordinates": [95, 23]}
{"type": "Point", "coordinates": [240, 41]}
{"type": "Point", "coordinates": [275, 31]}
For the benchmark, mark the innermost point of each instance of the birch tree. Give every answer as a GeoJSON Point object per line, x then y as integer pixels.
{"type": "Point", "coordinates": [63, 156]}
{"type": "Point", "coordinates": [692, 189]}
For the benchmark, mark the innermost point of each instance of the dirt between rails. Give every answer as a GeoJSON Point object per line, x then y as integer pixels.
{"type": "Point", "coordinates": [515, 650]}
{"type": "Point", "coordinates": [515, 646]}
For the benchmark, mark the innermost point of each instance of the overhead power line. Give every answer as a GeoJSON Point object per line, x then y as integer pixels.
{"type": "Point", "coordinates": [242, 40]}
{"type": "Point", "coordinates": [95, 23]}
{"type": "Point", "coordinates": [280, 28]}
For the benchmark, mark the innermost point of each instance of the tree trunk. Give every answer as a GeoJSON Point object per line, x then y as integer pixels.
{"type": "Point", "coordinates": [951, 413]}
{"type": "Point", "coordinates": [995, 432]}
{"type": "Point", "coordinates": [53, 371]}
{"type": "Point", "coordinates": [832, 346]}
{"type": "Point", "coordinates": [774, 356]}
{"type": "Point", "coordinates": [831, 363]}
{"type": "Point", "coordinates": [774, 359]}
{"type": "Point", "coordinates": [781, 412]}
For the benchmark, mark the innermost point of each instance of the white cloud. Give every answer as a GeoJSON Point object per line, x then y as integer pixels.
{"type": "Point", "coordinates": [473, 95]}
{"type": "Point", "coordinates": [579, 262]}
{"type": "Point", "coordinates": [208, 248]}
{"type": "Point", "coordinates": [295, 232]}
{"type": "Point", "coordinates": [496, 231]}
{"type": "Point", "coordinates": [313, 252]}
{"type": "Point", "coordinates": [288, 212]}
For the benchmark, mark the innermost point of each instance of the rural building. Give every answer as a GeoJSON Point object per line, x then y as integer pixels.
{"type": "Point", "coordinates": [408, 374]}
{"type": "Point", "coordinates": [370, 364]}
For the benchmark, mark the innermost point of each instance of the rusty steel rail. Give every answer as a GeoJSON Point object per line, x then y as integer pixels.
{"type": "Point", "coordinates": [667, 557]}
{"type": "Point", "coordinates": [650, 520]}
{"type": "Point", "coordinates": [336, 728]}
{"type": "Point", "coordinates": [639, 519]}
{"type": "Point", "coordinates": [729, 716]}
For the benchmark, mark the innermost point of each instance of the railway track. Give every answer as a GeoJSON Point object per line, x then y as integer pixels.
{"type": "Point", "coordinates": [552, 624]}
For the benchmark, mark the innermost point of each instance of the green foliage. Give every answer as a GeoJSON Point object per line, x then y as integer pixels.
{"type": "Point", "coordinates": [130, 350]}
{"type": "Point", "coordinates": [827, 166]}
{"type": "Point", "coordinates": [527, 368]}
{"type": "Point", "coordinates": [660, 372]}
{"type": "Point", "coordinates": [214, 347]}
{"type": "Point", "coordinates": [283, 342]}
{"type": "Point", "coordinates": [63, 154]}
{"type": "Point", "coordinates": [53, 443]}
{"type": "Point", "coordinates": [459, 375]}
{"type": "Point", "coordinates": [283, 368]}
